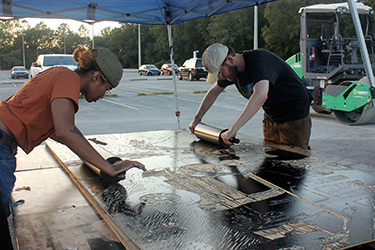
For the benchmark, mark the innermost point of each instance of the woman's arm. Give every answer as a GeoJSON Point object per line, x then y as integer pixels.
{"type": "Point", "coordinates": [63, 111]}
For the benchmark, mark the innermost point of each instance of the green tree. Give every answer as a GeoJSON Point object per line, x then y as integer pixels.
{"type": "Point", "coordinates": [73, 39]}
{"type": "Point", "coordinates": [281, 34]}
{"type": "Point", "coordinates": [101, 39]}
{"type": "Point", "coordinates": [188, 37]}
{"type": "Point", "coordinates": [11, 43]}
{"type": "Point", "coordinates": [235, 29]}
{"type": "Point", "coordinates": [123, 42]}
{"type": "Point", "coordinates": [38, 40]}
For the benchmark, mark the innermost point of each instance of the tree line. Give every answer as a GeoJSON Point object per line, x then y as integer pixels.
{"type": "Point", "coordinates": [279, 27]}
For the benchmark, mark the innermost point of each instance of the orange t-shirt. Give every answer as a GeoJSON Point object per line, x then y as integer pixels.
{"type": "Point", "coordinates": [28, 114]}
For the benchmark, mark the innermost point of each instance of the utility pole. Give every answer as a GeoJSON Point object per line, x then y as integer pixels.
{"type": "Point", "coordinates": [23, 49]}
{"type": "Point", "coordinates": [65, 44]}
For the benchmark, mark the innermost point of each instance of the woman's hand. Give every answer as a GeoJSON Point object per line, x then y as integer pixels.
{"type": "Point", "coordinates": [123, 166]}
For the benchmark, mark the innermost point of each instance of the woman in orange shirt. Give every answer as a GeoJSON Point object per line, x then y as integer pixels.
{"type": "Point", "coordinates": [45, 107]}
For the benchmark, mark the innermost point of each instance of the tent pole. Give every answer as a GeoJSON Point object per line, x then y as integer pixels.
{"type": "Point", "coordinates": [255, 27]}
{"type": "Point", "coordinates": [362, 43]}
{"type": "Point", "coordinates": [139, 46]}
{"type": "Point", "coordinates": [92, 31]}
{"type": "Point", "coordinates": [171, 53]}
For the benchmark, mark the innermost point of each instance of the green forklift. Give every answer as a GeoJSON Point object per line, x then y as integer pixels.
{"type": "Point", "coordinates": [331, 64]}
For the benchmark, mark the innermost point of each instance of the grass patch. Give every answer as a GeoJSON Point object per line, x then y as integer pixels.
{"type": "Point", "coordinates": [138, 79]}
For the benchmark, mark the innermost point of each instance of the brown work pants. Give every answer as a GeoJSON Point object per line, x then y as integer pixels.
{"type": "Point", "coordinates": [293, 133]}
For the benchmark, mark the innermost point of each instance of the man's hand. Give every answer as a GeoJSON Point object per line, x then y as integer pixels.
{"type": "Point", "coordinates": [193, 124]}
{"type": "Point", "coordinates": [227, 135]}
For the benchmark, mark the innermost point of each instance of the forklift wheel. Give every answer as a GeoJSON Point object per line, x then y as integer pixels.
{"type": "Point", "coordinates": [362, 115]}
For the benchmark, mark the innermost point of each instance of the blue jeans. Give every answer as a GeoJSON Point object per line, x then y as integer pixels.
{"type": "Point", "coordinates": [7, 178]}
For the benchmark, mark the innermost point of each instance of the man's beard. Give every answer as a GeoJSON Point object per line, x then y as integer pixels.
{"type": "Point", "coordinates": [232, 73]}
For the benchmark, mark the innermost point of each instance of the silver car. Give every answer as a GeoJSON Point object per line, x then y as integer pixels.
{"type": "Point", "coordinates": [19, 71]}
{"type": "Point", "coordinates": [148, 70]}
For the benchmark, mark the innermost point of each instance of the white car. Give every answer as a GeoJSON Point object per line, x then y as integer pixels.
{"type": "Point", "coordinates": [52, 60]}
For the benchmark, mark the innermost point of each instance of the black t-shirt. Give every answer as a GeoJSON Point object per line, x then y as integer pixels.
{"type": "Point", "coordinates": [288, 98]}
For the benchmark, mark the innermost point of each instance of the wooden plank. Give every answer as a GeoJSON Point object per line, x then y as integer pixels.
{"type": "Point", "coordinates": [116, 229]}
{"type": "Point", "coordinates": [54, 214]}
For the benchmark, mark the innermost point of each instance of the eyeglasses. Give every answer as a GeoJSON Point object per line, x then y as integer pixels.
{"type": "Point", "coordinates": [108, 91]}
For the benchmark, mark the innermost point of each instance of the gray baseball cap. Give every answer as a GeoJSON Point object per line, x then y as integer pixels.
{"type": "Point", "coordinates": [109, 65]}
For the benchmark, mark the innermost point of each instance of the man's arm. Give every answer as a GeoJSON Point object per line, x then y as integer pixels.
{"type": "Point", "coordinates": [206, 104]}
{"type": "Point", "coordinates": [67, 133]}
{"type": "Point", "coordinates": [255, 102]}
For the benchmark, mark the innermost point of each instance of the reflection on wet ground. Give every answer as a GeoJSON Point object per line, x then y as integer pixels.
{"type": "Point", "coordinates": [198, 196]}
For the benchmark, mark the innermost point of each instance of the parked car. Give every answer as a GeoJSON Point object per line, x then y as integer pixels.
{"type": "Point", "coordinates": [19, 71]}
{"type": "Point", "coordinates": [47, 61]}
{"type": "Point", "coordinates": [192, 69]}
{"type": "Point", "coordinates": [167, 69]}
{"type": "Point", "coordinates": [148, 70]}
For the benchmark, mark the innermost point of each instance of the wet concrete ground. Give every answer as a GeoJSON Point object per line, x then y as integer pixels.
{"type": "Point", "coordinates": [196, 195]}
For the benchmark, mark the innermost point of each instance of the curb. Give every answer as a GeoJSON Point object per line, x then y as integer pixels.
{"type": "Point", "coordinates": [109, 95]}
{"type": "Point", "coordinates": [203, 91]}
{"type": "Point", "coordinates": [164, 78]}
{"type": "Point", "coordinates": [13, 82]}
{"type": "Point", "coordinates": [156, 93]}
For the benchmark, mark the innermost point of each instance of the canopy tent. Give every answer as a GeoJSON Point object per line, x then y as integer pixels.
{"type": "Point", "coordinates": [158, 12]}
{"type": "Point", "coordinates": [140, 11]}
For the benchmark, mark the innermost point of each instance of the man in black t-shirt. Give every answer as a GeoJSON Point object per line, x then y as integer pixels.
{"type": "Point", "coordinates": [266, 81]}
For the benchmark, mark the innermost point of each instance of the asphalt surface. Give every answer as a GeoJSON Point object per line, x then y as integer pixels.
{"type": "Point", "coordinates": [146, 104]}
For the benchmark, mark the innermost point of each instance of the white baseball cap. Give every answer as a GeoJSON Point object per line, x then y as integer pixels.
{"type": "Point", "coordinates": [212, 58]}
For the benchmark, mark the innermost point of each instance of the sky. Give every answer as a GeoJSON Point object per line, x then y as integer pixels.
{"type": "Point", "coordinates": [73, 25]}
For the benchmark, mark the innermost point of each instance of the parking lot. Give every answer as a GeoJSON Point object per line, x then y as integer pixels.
{"type": "Point", "coordinates": [146, 103]}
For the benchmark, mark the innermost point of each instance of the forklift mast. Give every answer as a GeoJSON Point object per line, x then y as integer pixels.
{"type": "Point", "coordinates": [335, 63]}
{"type": "Point", "coordinates": [327, 56]}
